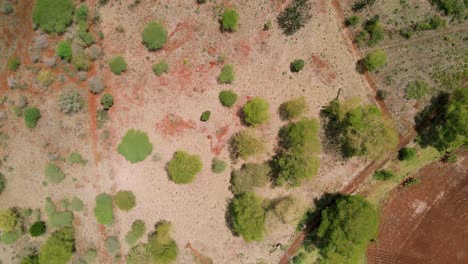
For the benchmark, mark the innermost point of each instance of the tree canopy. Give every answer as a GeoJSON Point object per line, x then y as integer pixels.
{"type": "Point", "coordinates": [59, 247]}
{"type": "Point", "coordinates": [248, 217]}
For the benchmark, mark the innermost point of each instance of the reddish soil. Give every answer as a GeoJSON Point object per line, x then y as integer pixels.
{"type": "Point", "coordinates": [426, 223]}
{"type": "Point", "coordinates": [182, 34]}
{"type": "Point", "coordinates": [221, 140]}
{"type": "Point", "coordinates": [172, 125]}
{"type": "Point", "coordinates": [323, 69]}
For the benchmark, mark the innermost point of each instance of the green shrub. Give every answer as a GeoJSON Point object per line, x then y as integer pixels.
{"type": "Point", "coordinates": [301, 137]}
{"type": "Point", "coordinates": [76, 158]}
{"type": "Point", "coordinates": [375, 60]}
{"type": "Point", "coordinates": [9, 220]}
{"type": "Point", "coordinates": [248, 217]}
{"type": "Point", "coordinates": [31, 116]}
{"type": "Point", "coordinates": [256, 111]}
{"type": "Point", "coordinates": [375, 30]}
{"type": "Point", "coordinates": [49, 207]}
{"type": "Point", "coordinates": [14, 63]}
{"type": "Point", "coordinates": [2, 183]}
{"type": "Point", "coordinates": [125, 200]}
{"type": "Point", "coordinates": [45, 77]}
{"type": "Point", "coordinates": [217, 166]}
{"type": "Point", "coordinates": [294, 169]}
{"type": "Point", "coordinates": [118, 65]}
{"type": "Point", "coordinates": [452, 7]}
{"type": "Point", "coordinates": [183, 167]}
{"type": "Point", "coordinates": [293, 108]}
{"type": "Point", "coordinates": [59, 247]}
{"type": "Point", "coordinates": [107, 101]}
{"type": "Point", "coordinates": [288, 210]}
{"type": "Point", "coordinates": [295, 16]}
{"type": "Point", "coordinates": [82, 12]}
{"type": "Point", "coordinates": [135, 146]}
{"type": "Point", "coordinates": [64, 50]}
{"type": "Point", "coordinates": [103, 211]}
{"type": "Point", "coordinates": [53, 173]}
{"type": "Point", "coordinates": [383, 175]}
{"type": "Point", "coordinates": [201, 1]}
{"type": "Point", "coordinates": [449, 157]}
{"type": "Point", "coordinates": [227, 98]}
{"type": "Point", "coordinates": [346, 228]}
{"type": "Point", "coordinates": [7, 8]}
{"type": "Point", "coordinates": [410, 182]}
{"type": "Point", "coordinates": [160, 68]}
{"type": "Point", "coordinates": [61, 219]}
{"type": "Point", "coordinates": [205, 116]}
{"type": "Point", "coordinates": [406, 33]}
{"type": "Point", "coordinates": [248, 177]}
{"type": "Point", "coordinates": [407, 154]}
{"type": "Point", "coordinates": [71, 102]}
{"type": "Point", "coordinates": [267, 25]}
{"type": "Point", "coordinates": [352, 21]}
{"type": "Point", "coordinates": [416, 89]}
{"type": "Point", "coordinates": [9, 238]}
{"type": "Point", "coordinates": [53, 16]}
{"type": "Point", "coordinates": [76, 204]}
{"type": "Point", "coordinates": [102, 117]}
{"type": "Point", "coordinates": [37, 229]}
{"type": "Point", "coordinates": [297, 65]}
{"type": "Point", "coordinates": [244, 144]}
{"type": "Point", "coordinates": [381, 95]}
{"type": "Point", "coordinates": [229, 20]}
{"type": "Point", "coordinates": [154, 36]}
{"type": "Point", "coordinates": [137, 232]}
{"type": "Point", "coordinates": [90, 256]}
{"type": "Point", "coordinates": [112, 245]}
{"type": "Point", "coordinates": [227, 74]}
{"type": "Point", "coordinates": [80, 61]}
{"type": "Point", "coordinates": [31, 259]}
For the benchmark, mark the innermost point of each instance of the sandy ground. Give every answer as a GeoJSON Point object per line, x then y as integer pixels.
{"type": "Point", "coordinates": [168, 108]}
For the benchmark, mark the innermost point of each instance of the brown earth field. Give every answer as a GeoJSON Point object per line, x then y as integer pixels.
{"type": "Point", "coordinates": [427, 222]}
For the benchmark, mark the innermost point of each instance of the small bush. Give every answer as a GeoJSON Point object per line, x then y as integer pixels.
{"type": "Point", "coordinates": [31, 259]}
{"type": "Point", "coordinates": [31, 116]}
{"type": "Point", "coordinates": [381, 95]}
{"type": "Point", "coordinates": [227, 98]}
{"type": "Point", "coordinates": [201, 1]}
{"type": "Point", "coordinates": [301, 138]}
{"type": "Point", "coordinates": [118, 65]}
{"type": "Point", "coordinates": [288, 210]}
{"type": "Point", "coordinates": [375, 30]}
{"type": "Point", "coordinates": [406, 33]}
{"type": "Point", "coordinates": [61, 219]}
{"type": "Point", "coordinates": [183, 167]}
{"type": "Point", "coordinates": [102, 117]}
{"type": "Point", "coordinates": [267, 25]}
{"type": "Point", "coordinates": [125, 200]}
{"type": "Point", "coordinates": [407, 154]}
{"type": "Point", "coordinates": [297, 65]}
{"type": "Point", "coordinates": [76, 158]}
{"type": "Point", "coordinates": [416, 89]}
{"type": "Point", "coordinates": [248, 217]}
{"type": "Point", "coordinates": [71, 102]}
{"type": "Point", "coordinates": [217, 166]}
{"type": "Point", "coordinates": [352, 21]}
{"type": "Point", "coordinates": [256, 111]}
{"type": "Point", "coordinates": [53, 173]}
{"type": "Point", "coordinates": [59, 247]}
{"type": "Point", "coordinates": [229, 20]}
{"type": "Point", "coordinates": [410, 182]}
{"type": "Point", "coordinates": [112, 245]}
{"type": "Point", "coordinates": [244, 144]}
{"type": "Point", "coordinates": [160, 68]}
{"type": "Point", "coordinates": [96, 85]}
{"type": "Point", "coordinates": [449, 157]}
{"type": "Point", "coordinates": [53, 16]}
{"type": "Point", "coordinates": [248, 177]}
{"type": "Point", "coordinates": [76, 204]}
{"type": "Point", "coordinates": [45, 77]}
{"type": "Point", "coordinates": [37, 229]}
{"type": "Point", "coordinates": [137, 232]}
{"type": "Point", "coordinates": [13, 63]}
{"type": "Point", "coordinates": [294, 17]}
{"type": "Point", "coordinates": [103, 211]}
{"type": "Point", "coordinates": [294, 169]}
{"type": "Point", "coordinates": [80, 61]}
{"type": "Point", "coordinates": [135, 146]}
{"type": "Point", "coordinates": [227, 74]}
{"type": "Point", "coordinates": [154, 36]}
{"type": "Point", "coordinates": [2, 183]}
{"type": "Point", "coordinates": [383, 175]}
{"type": "Point", "coordinates": [9, 220]}
{"type": "Point", "coordinates": [90, 256]}
{"type": "Point", "coordinates": [82, 12]}
{"type": "Point", "coordinates": [7, 8]}
{"type": "Point", "coordinates": [293, 109]}
{"type": "Point", "coordinates": [64, 50]}
{"type": "Point", "coordinates": [375, 60]}
{"type": "Point", "coordinates": [107, 101]}
{"type": "Point", "coordinates": [205, 116]}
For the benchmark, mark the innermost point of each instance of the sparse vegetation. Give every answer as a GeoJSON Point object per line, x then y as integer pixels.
{"type": "Point", "coordinates": [76, 158]}
{"type": "Point", "coordinates": [154, 36]}
{"type": "Point", "coordinates": [118, 65]}
{"type": "Point", "coordinates": [2, 183]}
{"type": "Point", "coordinates": [107, 101]}
{"type": "Point", "coordinates": [297, 65]}
{"type": "Point", "coordinates": [80, 61]}
{"type": "Point", "coordinates": [256, 111]}
{"type": "Point", "coordinates": [416, 89]}
{"type": "Point", "coordinates": [383, 175]}
{"type": "Point", "coordinates": [248, 217]}
{"type": "Point", "coordinates": [249, 176]}
{"type": "Point", "coordinates": [217, 166]}
{"type": "Point", "coordinates": [410, 182]}
{"type": "Point", "coordinates": [103, 211]}
{"type": "Point", "coordinates": [352, 21]}
{"type": "Point", "coordinates": [227, 98]}
{"type": "Point", "coordinates": [244, 145]}
{"type": "Point", "coordinates": [160, 68]}
{"type": "Point", "coordinates": [125, 200]}
{"type": "Point", "coordinates": [205, 116]}
{"type": "Point", "coordinates": [71, 102]}
{"type": "Point", "coordinates": [112, 245]}
{"type": "Point", "coordinates": [227, 74]}
{"type": "Point", "coordinates": [53, 173]}
{"type": "Point", "coordinates": [45, 77]}
{"type": "Point", "coordinates": [375, 60]}
{"type": "Point", "coordinates": [59, 247]}
{"type": "Point", "coordinates": [294, 17]}
{"type": "Point", "coordinates": [135, 146]}
{"type": "Point", "coordinates": [137, 232]}
{"type": "Point", "coordinates": [53, 16]}
{"type": "Point", "coordinates": [229, 20]}
{"type": "Point", "coordinates": [7, 8]}
{"type": "Point", "coordinates": [183, 167]}
{"type": "Point", "coordinates": [31, 116]}
{"type": "Point", "coordinates": [14, 63]}
{"type": "Point", "coordinates": [293, 109]}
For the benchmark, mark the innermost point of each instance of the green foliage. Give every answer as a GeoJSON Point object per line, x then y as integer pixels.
{"type": "Point", "coordinates": [80, 61]}
{"type": "Point", "coordinates": [352, 21]}
{"type": "Point", "coordinates": [294, 17]}
{"type": "Point", "coordinates": [205, 116]}
{"type": "Point", "coordinates": [407, 153]}
{"type": "Point", "coordinates": [160, 68]}
{"type": "Point", "coordinates": [248, 217]}
{"type": "Point", "coordinates": [45, 77]}
{"type": "Point", "coordinates": [293, 169]}
{"type": "Point", "coordinates": [76, 158]}
{"type": "Point", "coordinates": [229, 20]}
{"type": "Point", "coordinates": [82, 12]}
{"type": "Point", "coordinates": [297, 65]}
{"type": "Point", "coordinates": [90, 256]}
{"type": "Point", "coordinates": [345, 230]}
{"type": "Point", "coordinates": [31, 259]}
{"type": "Point", "coordinates": [244, 144]}
{"type": "Point", "coordinates": [375, 60]}
{"type": "Point", "coordinates": [154, 36]}
{"type": "Point", "coordinates": [2, 183]}
{"type": "Point", "coordinates": [288, 210]}
{"type": "Point", "coordinates": [125, 200]}
{"type": "Point", "coordinates": [37, 229]}
{"type": "Point", "coordinates": [249, 176]}
{"type": "Point", "coordinates": [135, 146]}
{"type": "Point", "coordinates": [450, 157]}
{"type": "Point", "coordinates": [416, 89]}
{"type": "Point", "coordinates": [227, 98]}
{"type": "Point", "coordinates": [112, 245]}
{"type": "Point", "coordinates": [256, 111]}
{"type": "Point", "coordinates": [103, 211]}
{"type": "Point", "coordinates": [64, 50]}
{"type": "Point", "coordinates": [267, 25]}
{"type": "Point", "coordinates": [49, 207]}
{"type": "Point", "coordinates": [375, 30]}
{"type": "Point", "coordinates": [9, 220]}
{"type": "Point", "coordinates": [410, 182]}
{"type": "Point", "coordinates": [452, 7]}
{"type": "Point", "coordinates": [302, 137]}
{"type": "Point", "coordinates": [76, 204]}
{"type": "Point", "coordinates": [137, 232]}
{"type": "Point", "coordinates": [71, 102]}
{"type": "Point", "coordinates": [293, 108]}
{"type": "Point", "coordinates": [183, 167]}
{"type": "Point", "coordinates": [383, 175]}
{"type": "Point", "coordinates": [102, 117]}
{"type": "Point", "coordinates": [118, 65]}
{"type": "Point", "coordinates": [53, 16]}
{"type": "Point", "coordinates": [9, 238]}
{"type": "Point", "coordinates": [61, 219]}
{"type": "Point", "coordinates": [7, 8]}
{"type": "Point", "coordinates": [217, 166]}
{"type": "Point", "coordinates": [59, 247]}
{"type": "Point", "coordinates": [53, 173]}
{"type": "Point", "coordinates": [14, 63]}
{"type": "Point", "coordinates": [201, 1]}
{"type": "Point", "coordinates": [107, 101]}
{"type": "Point", "coordinates": [227, 74]}
{"type": "Point", "coordinates": [31, 116]}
